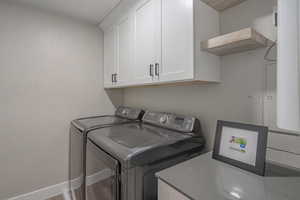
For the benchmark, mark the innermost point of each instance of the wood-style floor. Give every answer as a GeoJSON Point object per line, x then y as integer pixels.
{"type": "Point", "coordinates": [60, 197]}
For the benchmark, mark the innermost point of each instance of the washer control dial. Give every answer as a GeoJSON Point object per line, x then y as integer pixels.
{"type": "Point", "coordinates": [125, 112]}
{"type": "Point", "coordinates": [163, 119]}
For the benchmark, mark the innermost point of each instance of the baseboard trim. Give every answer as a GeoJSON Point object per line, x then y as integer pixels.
{"type": "Point", "coordinates": [96, 177]}
{"type": "Point", "coordinates": [44, 193]}
{"type": "Point", "coordinates": [62, 188]}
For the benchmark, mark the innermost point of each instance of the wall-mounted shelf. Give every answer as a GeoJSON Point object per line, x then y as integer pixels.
{"type": "Point", "coordinates": [239, 41]}
{"type": "Point", "coordinates": [221, 5]}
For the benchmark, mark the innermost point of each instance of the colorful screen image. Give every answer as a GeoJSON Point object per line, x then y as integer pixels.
{"type": "Point", "coordinates": [239, 144]}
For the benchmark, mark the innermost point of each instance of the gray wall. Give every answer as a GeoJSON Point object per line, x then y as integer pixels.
{"type": "Point", "coordinates": [240, 96]}
{"type": "Point", "coordinates": [50, 73]}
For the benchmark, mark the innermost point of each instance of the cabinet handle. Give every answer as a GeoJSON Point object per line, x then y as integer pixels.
{"type": "Point", "coordinates": [156, 69]}
{"type": "Point", "coordinates": [151, 70]}
{"type": "Point", "coordinates": [116, 80]}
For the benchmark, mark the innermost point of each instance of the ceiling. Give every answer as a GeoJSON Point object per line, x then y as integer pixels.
{"type": "Point", "coordinates": [92, 11]}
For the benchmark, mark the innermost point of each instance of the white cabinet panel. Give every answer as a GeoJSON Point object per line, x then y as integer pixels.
{"type": "Point", "coordinates": [159, 42]}
{"type": "Point", "coordinates": [165, 192]}
{"type": "Point", "coordinates": [284, 158]}
{"type": "Point", "coordinates": [109, 56]}
{"type": "Point", "coordinates": [177, 40]}
{"type": "Point", "coordinates": [288, 143]}
{"type": "Point", "coordinates": [124, 50]}
{"type": "Point", "coordinates": [147, 48]}
{"type": "Point", "coordinates": [288, 76]}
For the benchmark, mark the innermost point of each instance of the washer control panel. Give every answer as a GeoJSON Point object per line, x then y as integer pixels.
{"type": "Point", "coordinates": [171, 121]}
{"type": "Point", "coordinates": [129, 113]}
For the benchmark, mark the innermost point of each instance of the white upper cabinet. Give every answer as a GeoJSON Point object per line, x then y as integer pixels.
{"type": "Point", "coordinates": [124, 29]}
{"type": "Point", "coordinates": [288, 71]}
{"type": "Point", "coordinates": [159, 43]}
{"type": "Point", "coordinates": [110, 67]}
{"type": "Point", "coordinates": [177, 40]}
{"type": "Point", "coordinates": [147, 44]}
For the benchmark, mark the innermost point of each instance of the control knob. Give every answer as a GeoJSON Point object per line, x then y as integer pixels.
{"type": "Point", "coordinates": [163, 119]}
{"type": "Point", "coordinates": [125, 112]}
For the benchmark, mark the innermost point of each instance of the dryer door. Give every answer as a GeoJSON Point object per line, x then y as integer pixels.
{"type": "Point", "coordinates": [102, 175]}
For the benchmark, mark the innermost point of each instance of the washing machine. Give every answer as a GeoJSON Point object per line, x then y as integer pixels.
{"type": "Point", "coordinates": [79, 130]}
{"type": "Point", "coordinates": [129, 155]}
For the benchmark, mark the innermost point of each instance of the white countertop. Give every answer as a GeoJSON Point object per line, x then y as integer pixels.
{"type": "Point", "coordinates": [204, 178]}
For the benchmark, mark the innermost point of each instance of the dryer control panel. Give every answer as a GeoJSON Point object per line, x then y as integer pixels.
{"type": "Point", "coordinates": [171, 121]}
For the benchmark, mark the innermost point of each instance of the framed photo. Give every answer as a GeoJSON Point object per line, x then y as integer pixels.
{"type": "Point", "coordinates": [241, 145]}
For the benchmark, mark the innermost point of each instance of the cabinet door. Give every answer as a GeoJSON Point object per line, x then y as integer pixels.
{"type": "Point", "coordinates": [288, 69]}
{"type": "Point", "coordinates": [124, 50]}
{"type": "Point", "coordinates": [177, 40]}
{"type": "Point", "coordinates": [147, 43]}
{"type": "Point", "coordinates": [165, 192]}
{"type": "Point", "coordinates": [109, 56]}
